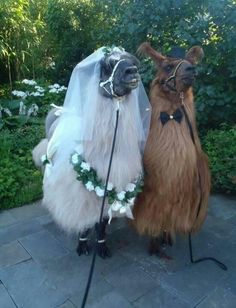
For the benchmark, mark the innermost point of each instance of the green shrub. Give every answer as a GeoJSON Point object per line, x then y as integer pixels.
{"type": "Point", "coordinates": [47, 38]}
{"type": "Point", "coordinates": [20, 181]}
{"type": "Point", "coordinates": [31, 102]}
{"type": "Point", "coordinates": [220, 145]}
{"type": "Point", "coordinates": [20, 131]}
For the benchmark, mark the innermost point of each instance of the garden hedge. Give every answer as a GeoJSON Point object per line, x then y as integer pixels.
{"type": "Point", "coordinates": [43, 40]}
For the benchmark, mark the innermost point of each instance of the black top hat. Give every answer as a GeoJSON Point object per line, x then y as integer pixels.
{"type": "Point", "coordinates": [177, 52]}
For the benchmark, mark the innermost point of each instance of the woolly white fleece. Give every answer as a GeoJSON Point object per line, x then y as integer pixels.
{"type": "Point", "coordinates": [72, 206]}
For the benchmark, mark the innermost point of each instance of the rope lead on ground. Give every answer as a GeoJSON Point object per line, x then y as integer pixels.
{"type": "Point", "coordinates": [220, 264]}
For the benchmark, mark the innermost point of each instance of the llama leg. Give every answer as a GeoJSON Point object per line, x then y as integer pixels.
{"type": "Point", "coordinates": [166, 239]}
{"type": "Point", "coordinates": [154, 245]}
{"type": "Point", "coordinates": [156, 248]}
{"type": "Point", "coordinates": [83, 248]}
{"type": "Point", "coordinates": [102, 248]}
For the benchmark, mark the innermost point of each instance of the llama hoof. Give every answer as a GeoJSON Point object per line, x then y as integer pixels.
{"type": "Point", "coordinates": [162, 255]}
{"type": "Point", "coordinates": [103, 251]}
{"type": "Point", "coordinates": [83, 248]}
{"type": "Point", "coordinates": [155, 248]}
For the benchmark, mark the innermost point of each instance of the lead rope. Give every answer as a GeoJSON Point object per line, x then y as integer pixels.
{"type": "Point", "coordinates": [102, 208]}
{"type": "Point", "coordinates": [220, 264]}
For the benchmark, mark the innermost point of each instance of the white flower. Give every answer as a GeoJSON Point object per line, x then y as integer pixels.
{"type": "Point", "coordinates": [43, 158]}
{"type": "Point", "coordinates": [29, 82]}
{"type": "Point", "coordinates": [53, 90]}
{"type": "Point", "coordinates": [36, 94]}
{"type": "Point", "coordinates": [131, 201]}
{"type": "Point", "coordinates": [39, 89]}
{"type": "Point", "coordinates": [74, 159]}
{"type": "Point", "coordinates": [85, 166]}
{"type": "Point", "coordinates": [130, 187]}
{"type": "Point", "coordinates": [89, 186]}
{"type": "Point", "coordinates": [79, 149]}
{"type": "Point", "coordinates": [99, 191]}
{"type": "Point", "coordinates": [121, 195]}
{"type": "Point", "coordinates": [19, 93]}
{"type": "Point", "coordinates": [110, 186]}
{"type": "Point", "coordinates": [55, 85]}
{"type": "Point", "coordinates": [56, 88]}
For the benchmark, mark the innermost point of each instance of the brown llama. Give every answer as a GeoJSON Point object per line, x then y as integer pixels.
{"type": "Point", "coordinates": [177, 181]}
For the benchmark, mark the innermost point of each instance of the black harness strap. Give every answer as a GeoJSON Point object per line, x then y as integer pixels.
{"type": "Point", "coordinates": [193, 140]}
{"type": "Point", "coordinates": [188, 123]}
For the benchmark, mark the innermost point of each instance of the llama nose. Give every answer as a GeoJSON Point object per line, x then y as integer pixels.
{"type": "Point", "coordinates": [131, 70]}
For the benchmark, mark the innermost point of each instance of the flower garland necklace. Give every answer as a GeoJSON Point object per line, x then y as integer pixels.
{"type": "Point", "coordinates": [119, 201]}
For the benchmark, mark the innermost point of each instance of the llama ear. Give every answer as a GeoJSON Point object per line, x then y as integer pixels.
{"type": "Point", "coordinates": [146, 49]}
{"type": "Point", "coordinates": [195, 55]}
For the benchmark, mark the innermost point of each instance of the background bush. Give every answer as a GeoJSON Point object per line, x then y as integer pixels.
{"type": "Point", "coordinates": [20, 181]}
{"type": "Point", "coordinates": [220, 145]}
{"type": "Point", "coordinates": [43, 40]}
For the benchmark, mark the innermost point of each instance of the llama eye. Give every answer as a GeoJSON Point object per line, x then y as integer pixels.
{"type": "Point", "coordinates": [168, 68]}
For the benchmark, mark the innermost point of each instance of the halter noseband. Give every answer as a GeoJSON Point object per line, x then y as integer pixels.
{"type": "Point", "coordinates": [173, 77]}
{"type": "Point", "coordinates": [110, 80]}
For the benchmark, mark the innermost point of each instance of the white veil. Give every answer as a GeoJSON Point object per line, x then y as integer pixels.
{"type": "Point", "coordinates": [77, 122]}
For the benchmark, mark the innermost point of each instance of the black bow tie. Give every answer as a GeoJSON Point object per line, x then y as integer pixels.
{"type": "Point", "coordinates": [177, 116]}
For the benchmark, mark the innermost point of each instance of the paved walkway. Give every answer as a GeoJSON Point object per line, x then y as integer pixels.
{"type": "Point", "coordinates": [39, 267]}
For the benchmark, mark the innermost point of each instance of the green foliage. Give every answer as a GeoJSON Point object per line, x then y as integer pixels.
{"type": "Point", "coordinates": [20, 182]}
{"type": "Point", "coordinates": [32, 106]}
{"type": "Point", "coordinates": [73, 28]}
{"type": "Point", "coordinates": [21, 31]}
{"type": "Point", "coordinates": [44, 40]}
{"type": "Point", "coordinates": [220, 145]}
{"type": "Point", "coordinates": [184, 23]}
{"type": "Point", "coordinates": [35, 35]}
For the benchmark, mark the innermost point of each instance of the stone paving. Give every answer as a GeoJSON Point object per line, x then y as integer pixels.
{"type": "Point", "coordinates": [40, 269]}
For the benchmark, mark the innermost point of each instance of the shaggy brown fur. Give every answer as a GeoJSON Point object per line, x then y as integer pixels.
{"type": "Point", "coordinates": [177, 175]}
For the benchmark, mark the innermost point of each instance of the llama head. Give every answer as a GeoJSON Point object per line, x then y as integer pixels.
{"type": "Point", "coordinates": [177, 71]}
{"type": "Point", "coordinates": [119, 74]}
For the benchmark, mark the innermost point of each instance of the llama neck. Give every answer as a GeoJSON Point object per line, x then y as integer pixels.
{"type": "Point", "coordinates": [169, 101]}
{"type": "Point", "coordinates": [126, 165]}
